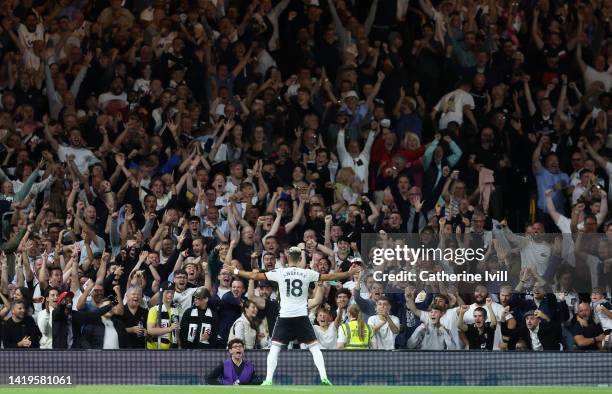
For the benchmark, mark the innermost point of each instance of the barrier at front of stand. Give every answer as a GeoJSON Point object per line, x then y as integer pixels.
{"type": "Point", "coordinates": [295, 367]}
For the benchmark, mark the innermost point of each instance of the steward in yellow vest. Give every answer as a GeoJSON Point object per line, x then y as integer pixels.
{"type": "Point", "coordinates": [356, 334]}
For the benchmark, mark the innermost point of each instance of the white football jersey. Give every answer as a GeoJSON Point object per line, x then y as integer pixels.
{"type": "Point", "coordinates": [293, 283]}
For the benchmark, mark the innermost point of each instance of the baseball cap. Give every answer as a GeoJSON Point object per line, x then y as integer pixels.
{"type": "Point", "coordinates": [201, 292]}
{"type": "Point", "coordinates": [529, 313]}
{"type": "Point", "coordinates": [344, 239]}
{"type": "Point", "coordinates": [64, 294]}
{"type": "Point", "coordinates": [167, 286]}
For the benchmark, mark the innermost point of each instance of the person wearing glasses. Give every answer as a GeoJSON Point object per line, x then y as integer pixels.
{"type": "Point", "coordinates": [235, 370]}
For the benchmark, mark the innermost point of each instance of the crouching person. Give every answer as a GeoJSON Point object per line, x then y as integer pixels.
{"type": "Point", "coordinates": [235, 370]}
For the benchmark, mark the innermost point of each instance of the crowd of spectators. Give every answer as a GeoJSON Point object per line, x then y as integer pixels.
{"type": "Point", "coordinates": [148, 146]}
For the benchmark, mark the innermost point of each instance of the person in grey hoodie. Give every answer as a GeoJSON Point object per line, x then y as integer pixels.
{"type": "Point", "coordinates": [432, 335]}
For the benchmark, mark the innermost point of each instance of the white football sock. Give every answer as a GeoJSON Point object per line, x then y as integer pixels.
{"type": "Point", "coordinates": [272, 360]}
{"type": "Point", "coordinates": [319, 361]}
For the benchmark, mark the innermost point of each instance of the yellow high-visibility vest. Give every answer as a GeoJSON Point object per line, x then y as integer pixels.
{"type": "Point", "coordinates": [351, 333]}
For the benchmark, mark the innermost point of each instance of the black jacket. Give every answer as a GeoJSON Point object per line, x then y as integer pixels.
{"type": "Point", "coordinates": [14, 332]}
{"type": "Point", "coordinates": [93, 334]}
{"type": "Point", "coordinates": [546, 334]}
{"type": "Point", "coordinates": [79, 318]}
{"type": "Point", "coordinates": [556, 311]}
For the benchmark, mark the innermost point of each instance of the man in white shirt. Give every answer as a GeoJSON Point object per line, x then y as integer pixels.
{"type": "Point", "coordinates": [586, 178]}
{"type": "Point", "coordinates": [594, 74]}
{"type": "Point", "coordinates": [535, 250]}
{"type": "Point", "coordinates": [225, 282]}
{"type": "Point", "coordinates": [94, 242]}
{"type": "Point", "coordinates": [114, 99]}
{"type": "Point", "coordinates": [234, 180]}
{"type": "Point", "coordinates": [83, 157]}
{"type": "Point", "coordinates": [453, 106]}
{"type": "Point", "coordinates": [293, 323]}
{"type": "Point", "coordinates": [182, 294]}
{"type": "Point", "coordinates": [272, 13]}
{"type": "Point", "coordinates": [264, 60]}
{"type": "Point", "coordinates": [386, 326]}
{"type": "Point", "coordinates": [30, 31]}
{"type": "Point", "coordinates": [359, 161]}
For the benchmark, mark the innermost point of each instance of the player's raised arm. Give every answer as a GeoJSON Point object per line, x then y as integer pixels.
{"type": "Point", "coordinates": [342, 275]}
{"type": "Point", "coordinates": [245, 274]}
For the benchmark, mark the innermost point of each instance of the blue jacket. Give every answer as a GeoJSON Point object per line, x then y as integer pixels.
{"type": "Point", "coordinates": [229, 309]}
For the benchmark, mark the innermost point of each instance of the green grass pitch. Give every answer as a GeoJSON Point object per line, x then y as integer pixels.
{"type": "Point", "coordinates": [109, 389]}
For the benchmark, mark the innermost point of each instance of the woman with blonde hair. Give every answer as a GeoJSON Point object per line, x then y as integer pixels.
{"type": "Point", "coordinates": [348, 190]}
{"type": "Point", "coordinates": [412, 150]}
{"type": "Point", "coordinates": [356, 333]}
{"type": "Point", "coordinates": [453, 193]}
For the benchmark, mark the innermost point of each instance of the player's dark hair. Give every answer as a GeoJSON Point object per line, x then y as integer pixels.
{"type": "Point", "coordinates": [294, 254]}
